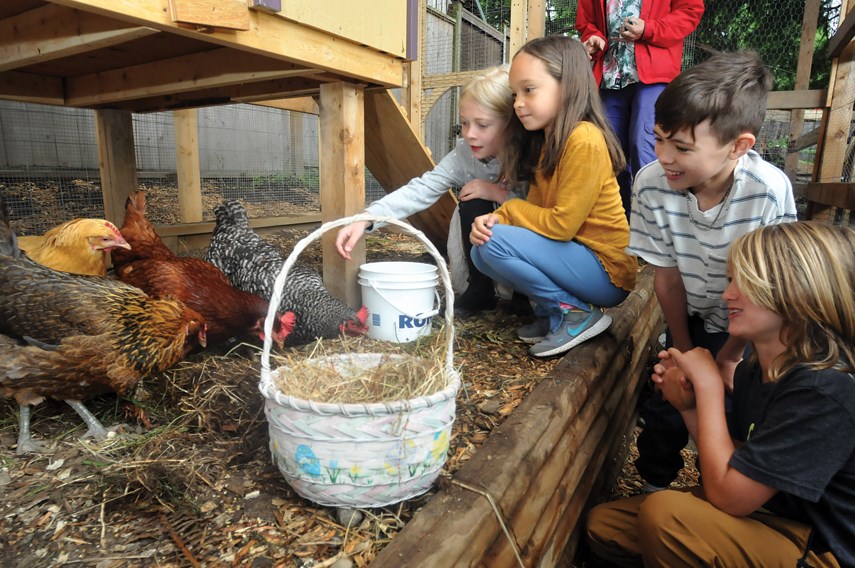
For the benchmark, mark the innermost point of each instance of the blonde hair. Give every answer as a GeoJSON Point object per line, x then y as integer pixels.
{"type": "Point", "coordinates": [567, 61]}
{"type": "Point", "coordinates": [490, 89]}
{"type": "Point", "coordinates": [805, 273]}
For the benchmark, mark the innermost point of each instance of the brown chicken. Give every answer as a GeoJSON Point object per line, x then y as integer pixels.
{"type": "Point", "coordinates": [79, 246]}
{"type": "Point", "coordinates": [68, 337]}
{"type": "Point", "coordinates": [150, 265]}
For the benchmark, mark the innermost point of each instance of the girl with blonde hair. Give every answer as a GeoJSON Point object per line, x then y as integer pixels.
{"type": "Point", "coordinates": [486, 106]}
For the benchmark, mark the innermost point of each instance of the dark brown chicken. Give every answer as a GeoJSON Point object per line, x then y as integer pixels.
{"type": "Point", "coordinates": [69, 337]}
{"type": "Point", "coordinates": [150, 265]}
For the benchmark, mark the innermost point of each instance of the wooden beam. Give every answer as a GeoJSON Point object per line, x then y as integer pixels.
{"type": "Point", "coordinates": [246, 93]}
{"type": "Point", "coordinates": [306, 105]}
{"type": "Point", "coordinates": [804, 141]}
{"type": "Point", "coordinates": [187, 164]}
{"type": "Point", "coordinates": [117, 161]}
{"type": "Point", "coordinates": [51, 32]}
{"type": "Point", "coordinates": [787, 100]}
{"type": "Point", "coordinates": [342, 173]}
{"type": "Point", "coordinates": [839, 118]}
{"type": "Point", "coordinates": [227, 14]}
{"type": "Point", "coordinates": [829, 194]}
{"type": "Point", "coordinates": [29, 88]}
{"type": "Point", "coordinates": [844, 34]}
{"type": "Point", "coordinates": [268, 35]}
{"type": "Point", "coordinates": [803, 67]}
{"type": "Point", "coordinates": [395, 155]}
{"type": "Point", "coordinates": [260, 223]}
{"type": "Point", "coordinates": [211, 69]}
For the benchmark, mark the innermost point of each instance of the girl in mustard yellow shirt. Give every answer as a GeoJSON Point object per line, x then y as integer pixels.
{"type": "Point", "coordinates": [564, 245]}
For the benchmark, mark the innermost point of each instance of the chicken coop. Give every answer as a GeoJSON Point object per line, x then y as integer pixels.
{"type": "Point", "coordinates": [305, 110]}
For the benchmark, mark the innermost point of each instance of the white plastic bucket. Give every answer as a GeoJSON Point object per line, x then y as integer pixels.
{"type": "Point", "coordinates": [401, 301]}
{"type": "Point", "coordinates": [397, 271]}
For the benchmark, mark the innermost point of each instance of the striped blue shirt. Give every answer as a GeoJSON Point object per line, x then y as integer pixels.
{"type": "Point", "coordinates": [662, 232]}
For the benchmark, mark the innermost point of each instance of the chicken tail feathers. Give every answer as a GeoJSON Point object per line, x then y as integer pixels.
{"type": "Point", "coordinates": [231, 212]}
{"type": "Point", "coordinates": [8, 240]}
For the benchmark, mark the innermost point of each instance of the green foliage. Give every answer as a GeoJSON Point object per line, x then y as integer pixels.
{"type": "Point", "coordinates": [772, 28]}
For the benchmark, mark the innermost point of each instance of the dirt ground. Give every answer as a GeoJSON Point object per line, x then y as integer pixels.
{"type": "Point", "coordinates": [188, 480]}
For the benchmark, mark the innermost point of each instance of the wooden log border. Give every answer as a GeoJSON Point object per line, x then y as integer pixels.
{"type": "Point", "coordinates": [545, 462]}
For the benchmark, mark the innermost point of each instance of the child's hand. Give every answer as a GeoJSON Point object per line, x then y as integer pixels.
{"type": "Point", "coordinates": [699, 367]}
{"type": "Point", "coordinates": [481, 232]}
{"type": "Point", "coordinates": [483, 189]}
{"type": "Point", "coordinates": [659, 369]}
{"type": "Point", "coordinates": [677, 389]}
{"type": "Point", "coordinates": [348, 236]}
{"type": "Point", "coordinates": [594, 45]}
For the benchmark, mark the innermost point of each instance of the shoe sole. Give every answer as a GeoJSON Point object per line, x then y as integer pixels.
{"type": "Point", "coordinates": [592, 331]}
{"type": "Point", "coordinates": [531, 340]}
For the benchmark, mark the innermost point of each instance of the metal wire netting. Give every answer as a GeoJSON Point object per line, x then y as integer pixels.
{"type": "Point", "coordinates": [269, 157]}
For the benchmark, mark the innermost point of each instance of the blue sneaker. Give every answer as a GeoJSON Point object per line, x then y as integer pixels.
{"type": "Point", "coordinates": [577, 326]}
{"type": "Point", "coordinates": [534, 332]}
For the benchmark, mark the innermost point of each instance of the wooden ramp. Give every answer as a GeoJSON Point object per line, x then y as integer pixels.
{"type": "Point", "coordinates": [395, 155]}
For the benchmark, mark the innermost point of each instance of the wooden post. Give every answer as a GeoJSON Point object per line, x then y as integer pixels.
{"type": "Point", "coordinates": [411, 94]}
{"type": "Point", "coordinates": [116, 160]}
{"type": "Point", "coordinates": [797, 116]}
{"type": "Point", "coordinates": [536, 12]}
{"type": "Point", "coordinates": [298, 152]}
{"type": "Point", "coordinates": [187, 163]}
{"type": "Point", "coordinates": [342, 173]}
{"type": "Point", "coordinates": [519, 11]}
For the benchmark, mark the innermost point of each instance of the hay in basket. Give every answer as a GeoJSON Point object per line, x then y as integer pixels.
{"type": "Point", "coordinates": [345, 431]}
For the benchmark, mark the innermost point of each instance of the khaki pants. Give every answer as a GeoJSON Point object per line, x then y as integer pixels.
{"type": "Point", "coordinates": [674, 528]}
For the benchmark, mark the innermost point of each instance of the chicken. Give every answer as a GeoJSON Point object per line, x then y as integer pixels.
{"type": "Point", "coordinates": [252, 264]}
{"type": "Point", "coordinates": [150, 265]}
{"type": "Point", "coordinates": [68, 336]}
{"type": "Point", "coordinates": [79, 246]}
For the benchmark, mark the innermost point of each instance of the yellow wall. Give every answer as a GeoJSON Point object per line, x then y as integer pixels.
{"type": "Point", "coordinates": [381, 24]}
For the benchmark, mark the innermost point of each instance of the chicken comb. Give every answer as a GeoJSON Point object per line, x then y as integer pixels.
{"type": "Point", "coordinates": [113, 228]}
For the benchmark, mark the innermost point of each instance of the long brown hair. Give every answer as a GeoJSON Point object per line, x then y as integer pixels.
{"type": "Point", "coordinates": [567, 61]}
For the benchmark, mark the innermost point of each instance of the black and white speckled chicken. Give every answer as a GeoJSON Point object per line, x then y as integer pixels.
{"type": "Point", "coordinates": [252, 264]}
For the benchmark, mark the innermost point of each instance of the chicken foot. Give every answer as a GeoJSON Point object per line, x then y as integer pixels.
{"type": "Point", "coordinates": [26, 444]}
{"type": "Point", "coordinates": [96, 430]}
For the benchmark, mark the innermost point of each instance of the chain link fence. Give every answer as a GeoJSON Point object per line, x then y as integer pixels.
{"type": "Point", "coordinates": [269, 157]}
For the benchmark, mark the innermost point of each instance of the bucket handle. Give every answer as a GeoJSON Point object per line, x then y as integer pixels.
{"type": "Point", "coordinates": [279, 284]}
{"type": "Point", "coordinates": [420, 315]}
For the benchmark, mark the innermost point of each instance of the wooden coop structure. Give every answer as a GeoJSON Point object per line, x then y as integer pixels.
{"type": "Point", "coordinates": [520, 501]}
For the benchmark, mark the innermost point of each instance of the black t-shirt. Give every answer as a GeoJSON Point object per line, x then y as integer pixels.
{"type": "Point", "coordinates": [799, 435]}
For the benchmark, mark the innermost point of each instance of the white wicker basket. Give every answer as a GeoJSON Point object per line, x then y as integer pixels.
{"type": "Point", "coordinates": [358, 455]}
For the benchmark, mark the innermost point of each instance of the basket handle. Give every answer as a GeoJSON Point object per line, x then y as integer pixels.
{"type": "Point", "coordinates": [279, 284]}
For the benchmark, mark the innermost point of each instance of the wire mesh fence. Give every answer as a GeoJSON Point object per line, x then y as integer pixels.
{"type": "Point", "coordinates": [269, 157]}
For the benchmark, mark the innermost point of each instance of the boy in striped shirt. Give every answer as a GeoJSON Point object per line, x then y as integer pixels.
{"type": "Point", "coordinates": [706, 188]}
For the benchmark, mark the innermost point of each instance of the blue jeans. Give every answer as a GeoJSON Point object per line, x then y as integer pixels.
{"type": "Point", "coordinates": [548, 272]}
{"type": "Point", "coordinates": [631, 113]}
